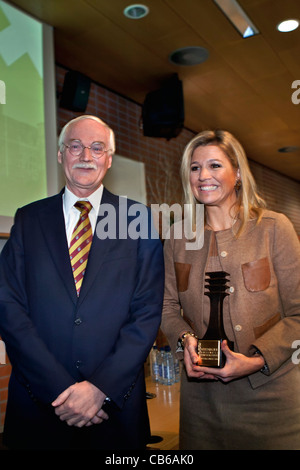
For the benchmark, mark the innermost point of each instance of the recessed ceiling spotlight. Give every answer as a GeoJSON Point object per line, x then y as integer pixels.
{"type": "Point", "coordinates": [289, 149]}
{"type": "Point", "coordinates": [189, 56]}
{"type": "Point", "coordinates": [287, 26]}
{"type": "Point", "coordinates": [136, 12]}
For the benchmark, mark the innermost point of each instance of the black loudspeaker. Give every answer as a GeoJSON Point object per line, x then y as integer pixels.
{"type": "Point", "coordinates": [75, 93]}
{"type": "Point", "coordinates": [163, 110]}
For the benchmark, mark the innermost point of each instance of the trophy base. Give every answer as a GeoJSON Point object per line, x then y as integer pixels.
{"type": "Point", "coordinates": [210, 353]}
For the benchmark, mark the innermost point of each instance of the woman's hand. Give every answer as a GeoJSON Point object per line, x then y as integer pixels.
{"type": "Point", "coordinates": [191, 360]}
{"type": "Point", "coordinates": [237, 365]}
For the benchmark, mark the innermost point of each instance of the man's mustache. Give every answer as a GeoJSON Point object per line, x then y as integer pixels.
{"type": "Point", "coordinates": [91, 166]}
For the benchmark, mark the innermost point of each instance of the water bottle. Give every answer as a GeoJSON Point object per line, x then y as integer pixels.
{"type": "Point", "coordinates": [154, 364]}
{"type": "Point", "coordinates": [169, 367]}
{"type": "Point", "coordinates": [161, 362]}
{"type": "Point", "coordinates": [176, 369]}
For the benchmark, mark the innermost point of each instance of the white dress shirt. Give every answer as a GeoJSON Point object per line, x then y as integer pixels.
{"type": "Point", "coordinates": [72, 214]}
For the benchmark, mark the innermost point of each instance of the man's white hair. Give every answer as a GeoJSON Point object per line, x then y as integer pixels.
{"type": "Point", "coordinates": [61, 137]}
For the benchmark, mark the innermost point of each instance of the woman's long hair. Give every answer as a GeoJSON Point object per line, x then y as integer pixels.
{"type": "Point", "coordinates": [249, 204]}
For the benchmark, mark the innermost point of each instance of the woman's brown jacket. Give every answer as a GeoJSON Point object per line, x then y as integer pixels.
{"type": "Point", "coordinates": [264, 300]}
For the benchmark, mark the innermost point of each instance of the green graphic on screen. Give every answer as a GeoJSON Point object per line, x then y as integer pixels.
{"type": "Point", "coordinates": [23, 177]}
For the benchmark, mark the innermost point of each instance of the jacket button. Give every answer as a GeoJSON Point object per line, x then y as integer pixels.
{"type": "Point", "coordinates": [238, 327]}
{"type": "Point", "coordinates": [78, 364]}
{"type": "Point", "coordinates": [224, 254]}
{"type": "Point", "coordinates": [78, 321]}
{"type": "Point", "coordinates": [231, 289]}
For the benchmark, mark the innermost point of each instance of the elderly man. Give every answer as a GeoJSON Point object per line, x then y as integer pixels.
{"type": "Point", "coordinates": [78, 313]}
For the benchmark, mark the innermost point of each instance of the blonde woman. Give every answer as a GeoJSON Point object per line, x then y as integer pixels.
{"type": "Point", "coordinates": [253, 402]}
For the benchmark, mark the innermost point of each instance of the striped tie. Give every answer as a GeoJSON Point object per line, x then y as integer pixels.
{"type": "Point", "coordinates": [80, 245]}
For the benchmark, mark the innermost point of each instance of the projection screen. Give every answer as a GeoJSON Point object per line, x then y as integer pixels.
{"type": "Point", "coordinates": [28, 169]}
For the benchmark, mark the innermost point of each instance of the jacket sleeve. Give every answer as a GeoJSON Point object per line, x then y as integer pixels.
{"type": "Point", "coordinates": [173, 323]}
{"type": "Point", "coordinates": [32, 362]}
{"type": "Point", "coordinates": [276, 344]}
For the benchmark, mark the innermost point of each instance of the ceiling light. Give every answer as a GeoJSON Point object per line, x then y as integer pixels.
{"type": "Point", "coordinates": [189, 56]}
{"type": "Point", "coordinates": [287, 26]}
{"type": "Point", "coordinates": [238, 17]}
{"type": "Point", "coordinates": [136, 12]}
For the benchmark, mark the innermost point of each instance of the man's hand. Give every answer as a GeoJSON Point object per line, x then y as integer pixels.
{"type": "Point", "coordinates": [81, 405]}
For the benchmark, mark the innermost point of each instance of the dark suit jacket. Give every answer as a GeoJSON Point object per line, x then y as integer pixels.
{"type": "Point", "coordinates": [54, 339]}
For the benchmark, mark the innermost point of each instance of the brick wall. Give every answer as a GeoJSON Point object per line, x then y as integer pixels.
{"type": "Point", "coordinates": [282, 194]}
{"type": "Point", "coordinates": [162, 162]}
{"type": "Point", "coordinates": [161, 158]}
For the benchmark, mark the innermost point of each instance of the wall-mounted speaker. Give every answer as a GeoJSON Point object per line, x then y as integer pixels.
{"type": "Point", "coordinates": [75, 93]}
{"type": "Point", "coordinates": [163, 110]}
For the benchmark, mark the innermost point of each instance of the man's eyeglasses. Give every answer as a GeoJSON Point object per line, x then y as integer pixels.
{"type": "Point", "coordinates": [97, 149]}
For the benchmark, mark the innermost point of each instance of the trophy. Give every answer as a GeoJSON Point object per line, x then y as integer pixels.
{"type": "Point", "coordinates": [209, 347]}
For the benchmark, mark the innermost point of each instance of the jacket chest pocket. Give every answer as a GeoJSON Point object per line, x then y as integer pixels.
{"type": "Point", "coordinates": [257, 275]}
{"type": "Point", "coordinates": [182, 271]}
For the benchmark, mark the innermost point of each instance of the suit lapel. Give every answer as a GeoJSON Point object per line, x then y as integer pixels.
{"type": "Point", "coordinates": [53, 228]}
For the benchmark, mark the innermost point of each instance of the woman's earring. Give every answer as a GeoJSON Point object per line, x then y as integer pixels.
{"type": "Point", "coordinates": [238, 184]}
